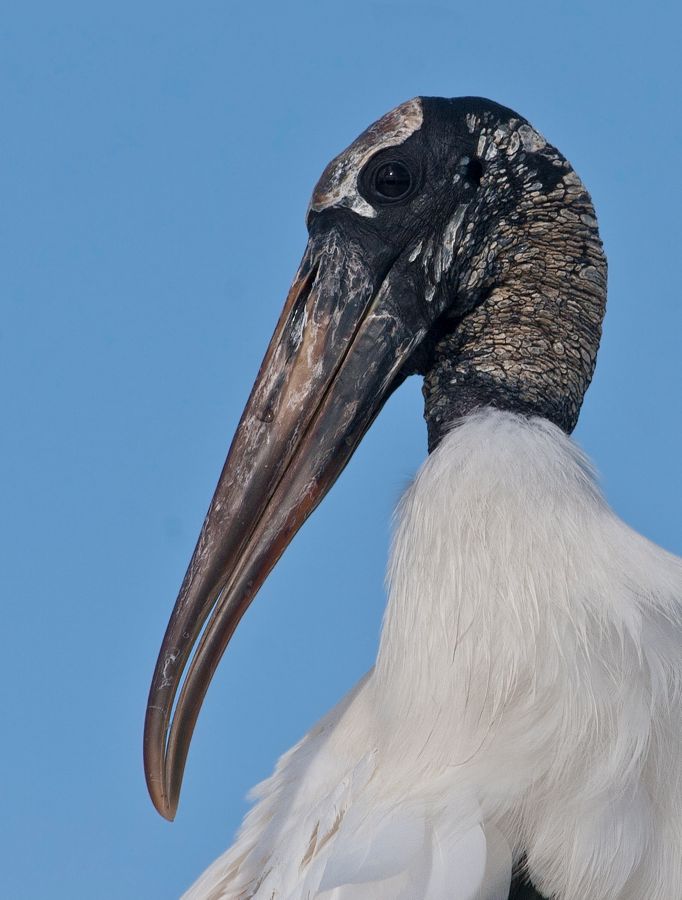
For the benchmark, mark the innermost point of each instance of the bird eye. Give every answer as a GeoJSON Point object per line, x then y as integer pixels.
{"type": "Point", "coordinates": [392, 180]}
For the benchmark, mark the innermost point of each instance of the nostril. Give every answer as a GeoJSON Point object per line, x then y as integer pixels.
{"type": "Point", "coordinates": [310, 218]}
{"type": "Point", "coordinates": [474, 171]}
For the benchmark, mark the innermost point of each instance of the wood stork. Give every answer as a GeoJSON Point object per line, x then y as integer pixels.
{"type": "Point", "coordinates": [522, 722]}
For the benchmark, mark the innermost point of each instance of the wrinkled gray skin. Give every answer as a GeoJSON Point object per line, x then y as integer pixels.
{"type": "Point", "coordinates": [531, 238]}
{"type": "Point", "coordinates": [503, 262]}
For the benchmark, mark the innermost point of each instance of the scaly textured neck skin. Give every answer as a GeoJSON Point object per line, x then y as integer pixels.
{"type": "Point", "coordinates": [530, 344]}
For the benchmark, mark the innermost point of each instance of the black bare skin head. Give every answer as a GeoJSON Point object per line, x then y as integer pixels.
{"type": "Point", "coordinates": [491, 228]}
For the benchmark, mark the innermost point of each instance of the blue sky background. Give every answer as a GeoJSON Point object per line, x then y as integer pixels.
{"type": "Point", "coordinates": [156, 160]}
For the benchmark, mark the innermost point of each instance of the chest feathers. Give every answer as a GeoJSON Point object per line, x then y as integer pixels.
{"type": "Point", "coordinates": [529, 650]}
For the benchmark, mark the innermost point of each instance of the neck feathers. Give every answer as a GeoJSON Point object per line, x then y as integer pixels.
{"type": "Point", "coordinates": [530, 651]}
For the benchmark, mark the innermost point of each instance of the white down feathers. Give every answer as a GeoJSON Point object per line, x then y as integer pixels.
{"type": "Point", "coordinates": [525, 700]}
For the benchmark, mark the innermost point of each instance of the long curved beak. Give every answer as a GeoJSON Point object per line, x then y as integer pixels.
{"type": "Point", "coordinates": [335, 357]}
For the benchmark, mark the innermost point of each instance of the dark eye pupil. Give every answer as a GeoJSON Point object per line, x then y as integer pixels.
{"type": "Point", "coordinates": [392, 180]}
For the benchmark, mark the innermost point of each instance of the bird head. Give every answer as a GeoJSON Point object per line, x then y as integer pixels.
{"type": "Point", "coordinates": [451, 240]}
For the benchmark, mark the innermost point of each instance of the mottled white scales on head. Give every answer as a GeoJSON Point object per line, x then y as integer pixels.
{"type": "Point", "coordinates": [338, 185]}
{"type": "Point", "coordinates": [508, 137]}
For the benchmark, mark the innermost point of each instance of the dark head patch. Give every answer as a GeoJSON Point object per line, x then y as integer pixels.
{"type": "Point", "coordinates": [338, 185]}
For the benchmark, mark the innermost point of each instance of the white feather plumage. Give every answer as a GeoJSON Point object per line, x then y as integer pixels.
{"type": "Point", "coordinates": [525, 699]}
